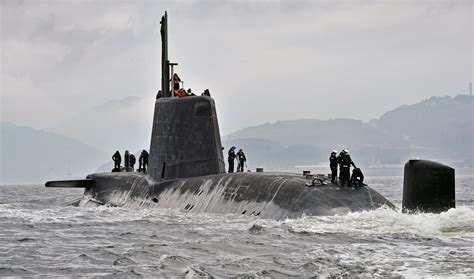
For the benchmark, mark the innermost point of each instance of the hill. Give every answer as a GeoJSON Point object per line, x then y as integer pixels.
{"type": "Point", "coordinates": [35, 156]}
{"type": "Point", "coordinates": [440, 128]}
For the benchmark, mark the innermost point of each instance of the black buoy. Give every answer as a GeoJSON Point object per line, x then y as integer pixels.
{"type": "Point", "coordinates": [428, 187]}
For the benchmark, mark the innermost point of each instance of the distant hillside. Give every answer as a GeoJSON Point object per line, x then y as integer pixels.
{"type": "Point", "coordinates": [442, 125]}
{"type": "Point", "coordinates": [34, 156]}
{"type": "Point", "coordinates": [438, 128]}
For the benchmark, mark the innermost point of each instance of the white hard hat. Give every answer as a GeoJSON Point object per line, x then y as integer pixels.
{"type": "Point", "coordinates": [346, 150]}
{"type": "Point", "coordinates": [334, 151]}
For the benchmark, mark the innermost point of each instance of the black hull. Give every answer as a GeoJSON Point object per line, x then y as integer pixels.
{"type": "Point", "coordinates": [268, 195]}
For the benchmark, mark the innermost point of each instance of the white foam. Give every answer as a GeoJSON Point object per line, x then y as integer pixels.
{"type": "Point", "coordinates": [454, 222]}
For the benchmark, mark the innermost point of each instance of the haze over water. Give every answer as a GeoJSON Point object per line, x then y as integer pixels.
{"type": "Point", "coordinates": [40, 237]}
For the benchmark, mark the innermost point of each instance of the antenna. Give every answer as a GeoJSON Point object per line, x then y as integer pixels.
{"type": "Point", "coordinates": [165, 67]}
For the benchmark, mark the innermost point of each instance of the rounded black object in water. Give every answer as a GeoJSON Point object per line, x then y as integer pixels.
{"type": "Point", "coordinates": [428, 187]}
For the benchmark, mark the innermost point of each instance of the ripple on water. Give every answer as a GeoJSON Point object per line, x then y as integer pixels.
{"type": "Point", "coordinates": [48, 239]}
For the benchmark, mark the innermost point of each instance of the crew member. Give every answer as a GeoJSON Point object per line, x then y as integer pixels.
{"type": "Point", "coordinates": [145, 160]}
{"type": "Point", "coordinates": [159, 94]}
{"type": "Point", "coordinates": [346, 163]}
{"type": "Point", "coordinates": [117, 160]}
{"type": "Point", "coordinates": [231, 159]}
{"type": "Point", "coordinates": [181, 93]}
{"type": "Point", "coordinates": [190, 92]}
{"type": "Point", "coordinates": [333, 165]}
{"type": "Point", "coordinates": [133, 160]}
{"type": "Point", "coordinates": [140, 162]}
{"type": "Point", "coordinates": [176, 81]}
{"type": "Point", "coordinates": [127, 159]}
{"type": "Point", "coordinates": [242, 160]}
{"type": "Point", "coordinates": [357, 178]}
{"type": "Point", "coordinates": [339, 161]}
{"type": "Point", "coordinates": [206, 93]}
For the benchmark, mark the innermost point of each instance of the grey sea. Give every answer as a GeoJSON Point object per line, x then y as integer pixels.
{"type": "Point", "coordinates": [42, 237]}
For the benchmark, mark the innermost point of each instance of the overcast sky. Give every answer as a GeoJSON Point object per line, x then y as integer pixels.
{"type": "Point", "coordinates": [262, 60]}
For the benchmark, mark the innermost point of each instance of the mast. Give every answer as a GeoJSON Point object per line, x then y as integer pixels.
{"type": "Point", "coordinates": [165, 67]}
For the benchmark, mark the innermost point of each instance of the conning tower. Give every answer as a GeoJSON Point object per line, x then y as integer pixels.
{"type": "Point", "coordinates": [185, 139]}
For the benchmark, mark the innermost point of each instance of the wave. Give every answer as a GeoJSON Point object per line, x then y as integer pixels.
{"type": "Point", "coordinates": [455, 222]}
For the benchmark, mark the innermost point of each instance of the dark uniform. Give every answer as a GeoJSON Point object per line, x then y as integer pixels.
{"type": "Point", "coordinates": [339, 161]}
{"type": "Point", "coordinates": [242, 160]}
{"type": "Point", "coordinates": [357, 178]}
{"type": "Point", "coordinates": [140, 162]}
{"type": "Point", "coordinates": [206, 93]}
{"type": "Point", "coordinates": [333, 165]}
{"type": "Point", "coordinates": [133, 160]}
{"type": "Point", "coordinates": [346, 163]}
{"type": "Point", "coordinates": [145, 160]}
{"type": "Point", "coordinates": [127, 159]}
{"type": "Point", "coordinates": [117, 159]}
{"type": "Point", "coordinates": [231, 158]}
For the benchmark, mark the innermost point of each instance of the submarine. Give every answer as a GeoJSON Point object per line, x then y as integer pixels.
{"type": "Point", "coordinates": [187, 172]}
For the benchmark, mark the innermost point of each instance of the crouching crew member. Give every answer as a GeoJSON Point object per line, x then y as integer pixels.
{"type": "Point", "coordinates": [357, 178]}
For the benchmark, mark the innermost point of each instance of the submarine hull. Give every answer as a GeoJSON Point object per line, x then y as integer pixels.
{"type": "Point", "coordinates": [187, 170]}
{"type": "Point", "coordinates": [268, 195]}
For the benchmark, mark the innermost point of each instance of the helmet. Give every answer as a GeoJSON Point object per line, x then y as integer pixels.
{"type": "Point", "coordinates": [334, 152]}
{"type": "Point", "coordinates": [346, 150]}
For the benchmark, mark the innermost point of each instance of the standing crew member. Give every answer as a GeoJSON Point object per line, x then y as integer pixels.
{"type": "Point", "coordinates": [346, 168]}
{"type": "Point", "coordinates": [242, 160]}
{"type": "Point", "coordinates": [117, 160]}
{"type": "Point", "coordinates": [127, 159]}
{"type": "Point", "coordinates": [145, 160]}
{"type": "Point", "coordinates": [133, 160]}
{"type": "Point", "coordinates": [140, 162]}
{"type": "Point", "coordinates": [176, 81]}
{"type": "Point", "coordinates": [231, 158]}
{"type": "Point", "coordinates": [333, 165]}
{"type": "Point", "coordinates": [339, 161]}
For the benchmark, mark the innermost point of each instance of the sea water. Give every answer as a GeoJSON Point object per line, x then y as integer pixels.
{"type": "Point", "coordinates": [41, 237]}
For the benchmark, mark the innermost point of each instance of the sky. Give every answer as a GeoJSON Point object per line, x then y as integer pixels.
{"type": "Point", "coordinates": [262, 60]}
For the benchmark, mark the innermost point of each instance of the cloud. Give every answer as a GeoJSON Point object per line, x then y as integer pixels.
{"type": "Point", "coordinates": [22, 58]}
{"type": "Point", "coordinates": [276, 59]}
